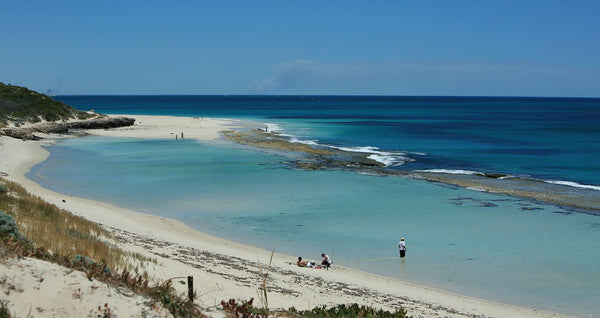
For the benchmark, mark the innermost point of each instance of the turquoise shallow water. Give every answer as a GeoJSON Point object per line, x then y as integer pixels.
{"type": "Point", "coordinates": [479, 244]}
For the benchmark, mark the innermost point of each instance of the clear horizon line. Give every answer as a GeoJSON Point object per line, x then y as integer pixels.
{"type": "Point", "coordinates": [339, 95]}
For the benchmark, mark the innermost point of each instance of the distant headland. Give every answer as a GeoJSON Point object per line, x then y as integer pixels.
{"type": "Point", "coordinates": [24, 112]}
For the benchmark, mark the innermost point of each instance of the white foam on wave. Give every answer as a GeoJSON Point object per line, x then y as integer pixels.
{"type": "Point", "coordinates": [273, 127]}
{"type": "Point", "coordinates": [450, 171]}
{"type": "Point", "coordinates": [384, 157]}
{"type": "Point", "coordinates": [559, 182]}
{"type": "Point", "coordinates": [386, 160]}
{"type": "Point", "coordinates": [574, 184]}
{"type": "Point", "coordinates": [366, 149]}
{"type": "Point", "coordinates": [304, 141]}
{"type": "Point", "coordinates": [389, 160]}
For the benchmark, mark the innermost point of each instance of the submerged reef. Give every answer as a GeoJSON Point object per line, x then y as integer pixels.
{"type": "Point", "coordinates": [315, 157]}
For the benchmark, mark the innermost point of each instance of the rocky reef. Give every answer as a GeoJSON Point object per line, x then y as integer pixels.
{"type": "Point", "coordinates": [316, 157]}
{"type": "Point", "coordinates": [28, 132]}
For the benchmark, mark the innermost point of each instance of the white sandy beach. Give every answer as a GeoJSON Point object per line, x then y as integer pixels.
{"type": "Point", "coordinates": [221, 269]}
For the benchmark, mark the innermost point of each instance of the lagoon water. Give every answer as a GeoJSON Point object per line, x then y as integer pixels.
{"type": "Point", "coordinates": [492, 246]}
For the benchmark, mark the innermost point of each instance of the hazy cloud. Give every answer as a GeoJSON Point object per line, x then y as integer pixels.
{"type": "Point", "coordinates": [421, 78]}
{"type": "Point", "coordinates": [297, 74]}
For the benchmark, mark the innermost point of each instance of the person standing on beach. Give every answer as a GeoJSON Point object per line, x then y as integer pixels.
{"type": "Point", "coordinates": [402, 247]}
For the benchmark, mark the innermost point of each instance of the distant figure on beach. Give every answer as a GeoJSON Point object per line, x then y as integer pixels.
{"type": "Point", "coordinates": [326, 260]}
{"type": "Point", "coordinates": [402, 247]}
{"type": "Point", "coordinates": [181, 135]}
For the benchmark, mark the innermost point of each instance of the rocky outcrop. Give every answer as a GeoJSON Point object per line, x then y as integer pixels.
{"type": "Point", "coordinates": [317, 157]}
{"type": "Point", "coordinates": [28, 132]}
{"type": "Point", "coordinates": [24, 112]}
{"type": "Point", "coordinates": [102, 123]}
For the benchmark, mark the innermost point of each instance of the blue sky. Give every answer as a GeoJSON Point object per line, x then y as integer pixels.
{"type": "Point", "coordinates": [493, 48]}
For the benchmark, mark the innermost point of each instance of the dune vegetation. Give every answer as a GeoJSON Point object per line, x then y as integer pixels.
{"type": "Point", "coordinates": [21, 105]}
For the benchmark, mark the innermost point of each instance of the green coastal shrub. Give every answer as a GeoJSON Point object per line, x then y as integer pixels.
{"type": "Point", "coordinates": [353, 310]}
{"type": "Point", "coordinates": [4, 313]}
{"type": "Point", "coordinates": [8, 227]}
{"type": "Point", "coordinates": [86, 262]}
{"type": "Point", "coordinates": [245, 309]}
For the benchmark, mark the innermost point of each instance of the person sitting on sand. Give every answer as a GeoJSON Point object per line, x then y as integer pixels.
{"type": "Point", "coordinates": [302, 263]}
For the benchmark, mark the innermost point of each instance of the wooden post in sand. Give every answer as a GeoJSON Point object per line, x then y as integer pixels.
{"type": "Point", "coordinates": [191, 288]}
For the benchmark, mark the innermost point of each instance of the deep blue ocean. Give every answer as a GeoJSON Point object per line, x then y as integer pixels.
{"type": "Point", "coordinates": [493, 246]}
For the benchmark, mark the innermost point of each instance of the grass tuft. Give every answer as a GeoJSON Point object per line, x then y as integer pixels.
{"type": "Point", "coordinates": [60, 232]}
{"type": "Point", "coordinates": [47, 232]}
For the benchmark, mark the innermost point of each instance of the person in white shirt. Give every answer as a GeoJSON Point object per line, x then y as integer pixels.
{"type": "Point", "coordinates": [402, 247]}
{"type": "Point", "coordinates": [326, 260]}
